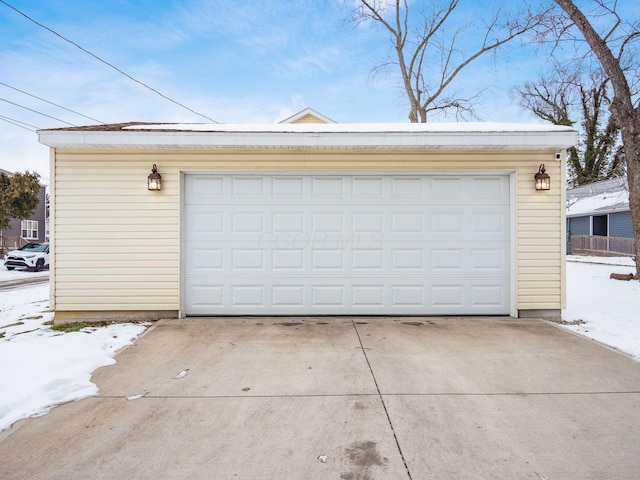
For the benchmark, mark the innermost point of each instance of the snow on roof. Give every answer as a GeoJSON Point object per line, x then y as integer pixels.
{"type": "Point", "coordinates": [423, 136]}
{"type": "Point", "coordinates": [466, 127]}
{"type": "Point", "coordinates": [601, 203]}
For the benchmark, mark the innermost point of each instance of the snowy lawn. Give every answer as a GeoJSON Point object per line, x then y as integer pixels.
{"type": "Point", "coordinates": [41, 367]}
{"type": "Point", "coordinates": [601, 308]}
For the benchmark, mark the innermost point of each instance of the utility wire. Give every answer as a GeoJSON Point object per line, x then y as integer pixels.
{"type": "Point", "coordinates": [15, 123]}
{"type": "Point", "coordinates": [35, 111]}
{"type": "Point", "coordinates": [50, 103]}
{"type": "Point", "coordinates": [104, 61]}
{"type": "Point", "coordinates": [19, 121]}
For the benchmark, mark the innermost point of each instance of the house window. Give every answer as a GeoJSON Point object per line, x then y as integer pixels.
{"type": "Point", "coordinates": [600, 225]}
{"type": "Point", "coordinates": [29, 229]}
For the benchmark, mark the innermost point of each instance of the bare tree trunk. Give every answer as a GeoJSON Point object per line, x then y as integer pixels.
{"type": "Point", "coordinates": [622, 109]}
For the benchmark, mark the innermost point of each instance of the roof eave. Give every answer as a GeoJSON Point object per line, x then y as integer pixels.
{"type": "Point", "coordinates": [310, 140]}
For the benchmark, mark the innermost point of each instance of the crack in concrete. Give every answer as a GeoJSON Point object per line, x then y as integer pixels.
{"type": "Point", "coordinates": [384, 406]}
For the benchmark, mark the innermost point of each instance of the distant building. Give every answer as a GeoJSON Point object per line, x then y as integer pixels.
{"type": "Point", "coordinates": [32, 229]}
{"type": "Point", "coordinates": [599, 209]}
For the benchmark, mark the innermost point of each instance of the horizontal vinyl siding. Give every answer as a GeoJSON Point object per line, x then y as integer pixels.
{"type": "Point", "coordinates": [117, 245]}
{"type": "Point", "coordinates": [620, 225]}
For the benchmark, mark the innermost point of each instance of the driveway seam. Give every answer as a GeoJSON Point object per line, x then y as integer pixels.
{"type": "Point", "coordinates": [378, 394]}
{"type": "Point", "coordinates": [384, 406]}
{"type": "Point", "coordinates": [320, 395]}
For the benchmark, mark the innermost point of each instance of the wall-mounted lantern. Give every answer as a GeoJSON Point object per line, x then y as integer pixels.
{"type": "Point", "coordinates": [543, 182]}
{"type": "Point", "coordinates": [154, 180]}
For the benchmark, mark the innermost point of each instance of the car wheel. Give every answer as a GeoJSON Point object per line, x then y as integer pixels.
{"type": "Point", "coordinates": [10, 268]}
{"type": "Point", "coordinates": [38, 267]}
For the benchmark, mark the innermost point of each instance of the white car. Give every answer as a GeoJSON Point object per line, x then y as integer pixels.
{"type": "Point", "coordinates": [32, 256]}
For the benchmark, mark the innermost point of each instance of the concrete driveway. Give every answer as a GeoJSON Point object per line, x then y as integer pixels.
{"type": "Point", "coordinates": [349, 399]}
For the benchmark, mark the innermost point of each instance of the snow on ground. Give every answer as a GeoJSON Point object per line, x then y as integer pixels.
{"type": "Point", "coordinates": [6, 275]}
{"type": "Point", "coordinates": [610, 309]}
{"type": "Point", "coordinates": [41, 367]}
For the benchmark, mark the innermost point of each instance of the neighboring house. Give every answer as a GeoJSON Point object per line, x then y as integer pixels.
{"type": "Point", "coordinates": [23, 230]}
{"type": "Point", "coordinates": [307, 219]}
{"type": "Point", "coordinates": [599, 209]}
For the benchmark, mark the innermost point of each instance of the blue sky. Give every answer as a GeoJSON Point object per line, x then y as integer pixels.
{"type": "Point", "coordinates": [240, 61]}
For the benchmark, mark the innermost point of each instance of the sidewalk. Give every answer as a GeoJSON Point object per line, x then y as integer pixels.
{"type": "Point", "coordinates": [9, 284]}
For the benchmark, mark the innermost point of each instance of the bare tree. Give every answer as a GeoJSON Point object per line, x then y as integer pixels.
{"type": "Point", "coordinates": [565, 97]}
{"type": "Point", "coordinates": [613, 49]}
{"type": "Point", "coordinates": [428, 60]}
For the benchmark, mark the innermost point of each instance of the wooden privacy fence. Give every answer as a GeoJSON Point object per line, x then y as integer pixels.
{"type": "Point", "coordinates": [597, 245]}
{"type": "Point", "coordinates": [10, 243]}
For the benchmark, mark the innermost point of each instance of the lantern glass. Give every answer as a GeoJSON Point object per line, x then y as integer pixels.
{"type": "Point", "coordinates": [154, 181]}
{"type": "Point", "coordinates": [543, 181]}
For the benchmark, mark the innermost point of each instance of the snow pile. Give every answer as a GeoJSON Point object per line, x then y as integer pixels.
{"type": "Point", "coordinates": [610, 309]}
{"type": "Point", "coordinates": [41, 367]}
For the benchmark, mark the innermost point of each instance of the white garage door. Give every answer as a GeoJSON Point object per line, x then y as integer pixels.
{"type": "Point", "coordinates": [346, 244]}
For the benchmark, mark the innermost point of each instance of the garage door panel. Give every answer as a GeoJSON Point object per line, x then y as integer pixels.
{"type": "Point", "coordinates": [406, 296]}
{"type": "Point", "coordinates": [288, 222]}
{"type": "Point", "coordinates": [247, 222]}
{"type": "Point", "coordinates": [287, 187]}
{"type": "Point", "coordinates": [367, 260]}
{"type": "Point", "coordinates": [490, 222]}
{"type": "Point", "coordinates": [248, 187]}
{"type": "Point", "coordinates": [488, 296]}
{"type": "Point", "coordinates": [370, 188]}
{"type": "Point", "coordinates": [407, 259]}
{"type": "Point", "coordinates": [408, 188]}
{"type": "Point", "coordinates": [407, 222]}
{"type": "Point", "coordinates": [288, 260]}
{"type": "Point", "coordinates": [325, 296]}
{"type": "Point", "coordinates": [203, 189]}
{"type": "Point", "coordinates": [248, 296]}
{"type": "Point", "coordinates": [329, 188]}
{"type": "Point", "coordinates": [489, 190]}
{"type": "Point", "coordinates": [317, 258]}
{"type": "Point", "coordinates": [490, 260]}
{"type": "Point", "coordinates": [203, 298]}
{"type": "Point", "coordinates": [204, 224]}
{"type": "Point", "coordinates": [450, 260]}
{"type": "Point", "coordinates": [205, 261]}
{"type": "Point", "coordinates": [346, 244]}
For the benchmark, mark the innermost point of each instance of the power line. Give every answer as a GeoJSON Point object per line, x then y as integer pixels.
{"type": "Point", "coordinates": [17, 123]}
{"type": "Point", "coordinates": [35, 111]}
{"type": "Point", "coordinates": [104, 61]}
{"type": "Point", "coordinates": [50, 103]}
{"type": "Point", "coordinates": [20, 121]}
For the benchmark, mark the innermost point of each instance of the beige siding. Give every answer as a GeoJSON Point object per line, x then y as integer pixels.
{"type": "Point", "coordinates": [309, 118]}
{"type": "Point", "coordinates": [117, 245]}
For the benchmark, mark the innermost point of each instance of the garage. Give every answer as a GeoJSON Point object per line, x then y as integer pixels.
{"type": "Point", "coordinates": [158, 220]}
{"type": "Point", "coordinates": [336, 244]}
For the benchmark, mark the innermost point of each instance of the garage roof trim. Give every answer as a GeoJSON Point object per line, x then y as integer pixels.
{"type": "Point", "coordinates": [451, 136]}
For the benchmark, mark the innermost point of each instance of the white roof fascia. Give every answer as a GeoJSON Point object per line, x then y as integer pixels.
{"type": "Point", "coordinates": [376, 136]}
